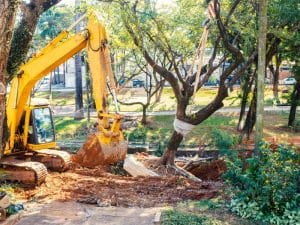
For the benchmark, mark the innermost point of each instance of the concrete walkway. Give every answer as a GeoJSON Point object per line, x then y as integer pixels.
{"type": "Point", "coordinates": [73, 213]}
{"type": "Point", "coordinates": [69, 111]}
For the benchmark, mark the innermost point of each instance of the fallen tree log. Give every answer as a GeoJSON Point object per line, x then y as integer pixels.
{"type": "Point", "coordinates": [135, 168]}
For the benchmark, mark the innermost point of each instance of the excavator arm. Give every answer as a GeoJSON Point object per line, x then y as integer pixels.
{"type": "Point", "coordinates": [55, 53]}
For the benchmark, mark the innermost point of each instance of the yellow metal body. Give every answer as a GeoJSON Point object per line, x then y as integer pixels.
{"type": "Point", "coordinates": [63, 47]}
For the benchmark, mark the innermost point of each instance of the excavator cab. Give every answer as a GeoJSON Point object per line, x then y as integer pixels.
{"type": "Point", "coordinates": [36, 129]}
{"type": "Point", "coordinates": [41, 128]}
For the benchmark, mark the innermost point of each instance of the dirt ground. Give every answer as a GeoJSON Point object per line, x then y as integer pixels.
{"type": "Point", "coordinates": [82, 214]}
{"type": "Point", "coordinates": [89, 185]}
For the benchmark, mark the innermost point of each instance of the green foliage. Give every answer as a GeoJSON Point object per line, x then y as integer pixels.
{"type": "Point", "coordinates": [223, 140]}
{"type": "Point", "coordinates": [209, 204]}
{"type": "Point", "coordinates": [266, 189]}
{"type": "Point", "coordinates": [173, 217]}
{"type": "Point", "coordinates": [297, 126]}
{"type": "Point", "coordinates": [139, 133]}
{"type": "Point", "coordinates": [8, 188]}
{"type": "Point", "coordinates": [51, 23]}
{"type": "Point", "coordinates": [68, 128]}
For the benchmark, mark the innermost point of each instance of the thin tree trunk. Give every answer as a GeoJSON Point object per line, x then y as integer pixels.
{"type": "Point", "coordinates": [144, 116]}
{"type": "Point", "coordinates": [79, 114]}
{"type": "Point", "coordinates": [295, 102]}
{"type": "Point", "coordinates": [251, 115]}
{"type": "Point", "coordinates": [88, 90]}
{"type": "Point", "coordinates": [159, 93]}
{"type": "Point", "coordinates": [247, 84]}
{"type": "Point", "coordinates": [276, 76]}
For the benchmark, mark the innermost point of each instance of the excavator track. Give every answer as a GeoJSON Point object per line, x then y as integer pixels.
{"type": "Point", "coordinates": [27, 173]}
{"type": "Point", "coordinates": [54, 160]}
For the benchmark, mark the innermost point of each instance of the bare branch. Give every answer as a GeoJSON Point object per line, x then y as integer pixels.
{"type": "Point", "coordinates": [223, 32]}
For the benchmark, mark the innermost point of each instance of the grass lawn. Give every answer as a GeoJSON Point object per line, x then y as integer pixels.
{"type": "Point", "coordinates": [160, 128]}
{"type": "Point", "coordinates": [204, 212]}
{"type": "Point", "coordinates": [168, 101]}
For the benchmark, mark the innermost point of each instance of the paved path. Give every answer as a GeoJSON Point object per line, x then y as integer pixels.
{"type": "Point", "coordinates": [69, 111]}
{"type": "Point", "coordinates": [73, 213]}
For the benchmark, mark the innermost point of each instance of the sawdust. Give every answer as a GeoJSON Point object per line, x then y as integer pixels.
{"type": "Point", "coordinates": [118, 190]}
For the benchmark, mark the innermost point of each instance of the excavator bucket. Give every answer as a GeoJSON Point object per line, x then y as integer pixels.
{"type": "Point", "coordinates": [94, 153]}
{"type": "Point", "coordinates": [107, 145]}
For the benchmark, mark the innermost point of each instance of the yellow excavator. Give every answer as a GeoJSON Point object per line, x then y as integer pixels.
{"type": "Point", "coordinates": [31, 147]}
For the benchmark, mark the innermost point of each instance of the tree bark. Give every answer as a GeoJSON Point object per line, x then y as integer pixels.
{"type": "Point", "coordinates": [173, 144]}
{"type": "Point", "coordinates": [144, 116]}
{"type": "Point", "coordinates": [23, 33]}
{"type": "Point", "coordinates": [79, 113]}
{"type": "Point", "coordinates": [276, 76]}
{"type": "Point", "coordinates": [246, 87]}
{"type": "Point", "coordinates": [8, 10]}
{"type": "Point", "coordinates": [251, 115]}
{"type": "Point", "coordinates": [261, 71]}
{"type": "Point", "coordinates": [295, 102]}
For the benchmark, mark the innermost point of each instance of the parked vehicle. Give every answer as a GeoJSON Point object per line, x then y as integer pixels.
{"type": "Point", "coordinates": [289, 81]}
{"type": "Point", "coordinates": [138, 83]}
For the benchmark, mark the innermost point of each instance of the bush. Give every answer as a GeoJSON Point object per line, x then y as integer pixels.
{"type": "Point", "coordinates": [138, 134]}
{"type": "Point", "coordinates": [266, 189]}
{"type": "Point", "coordinates": [222, 140]}
{"type": "Point", "coordinates": [173, 217]}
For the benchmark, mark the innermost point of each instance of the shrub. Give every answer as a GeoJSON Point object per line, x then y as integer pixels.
{"type": "Point", "coordinates": [222, 140]}
{"type": "Point", "coordinates": [173, 217]}
{"type": "Point", "coordinates": [266, 189]}
{"type": "Point", "coordinates": [138, 134]}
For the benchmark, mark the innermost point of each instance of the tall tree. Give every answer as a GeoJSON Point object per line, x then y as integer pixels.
{"type": "Point", "coordinates": [148, 29]}
{"type": "Point", "coordinates": [295, 98]}
{"type": "Point", "coordinates": [8, 9]}
{"type": "Point", "coordinates": [261, 71]}
{"type": "Point", "coordinates": [79, 113]}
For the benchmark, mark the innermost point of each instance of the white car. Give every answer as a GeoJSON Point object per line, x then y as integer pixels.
{"type": "Point", "coordinates": [289, 81]}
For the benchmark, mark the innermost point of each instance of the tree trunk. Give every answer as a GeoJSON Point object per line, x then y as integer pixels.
{"type": "Point", "coordinates": [294, 103]}
{"type": "Point", "coordinates": [7, 18]}
{"type": "Point", "coordinates": [276, 76]}
{"type": "Point", "coordinates": [79, 114]}
{"type": "Point", "coordinates": [246, 87]}
{"type": "Point", "coordinates": [261, 71]}
{"type": "Point", "coordinates": [144, 116]}
{"type": "Point", "coordinates": [159, 93]}
{"type": "Point", "coordinates": [169, 155]}
{"type": "Point", "coordinates": [251, 115]}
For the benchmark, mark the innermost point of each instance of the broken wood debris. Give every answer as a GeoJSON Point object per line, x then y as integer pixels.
{"type": "Point", "coordinates": [135, 168]}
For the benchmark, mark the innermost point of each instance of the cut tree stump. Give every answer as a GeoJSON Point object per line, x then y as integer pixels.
{"type": "Point", "coordinates": [135, 168]}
